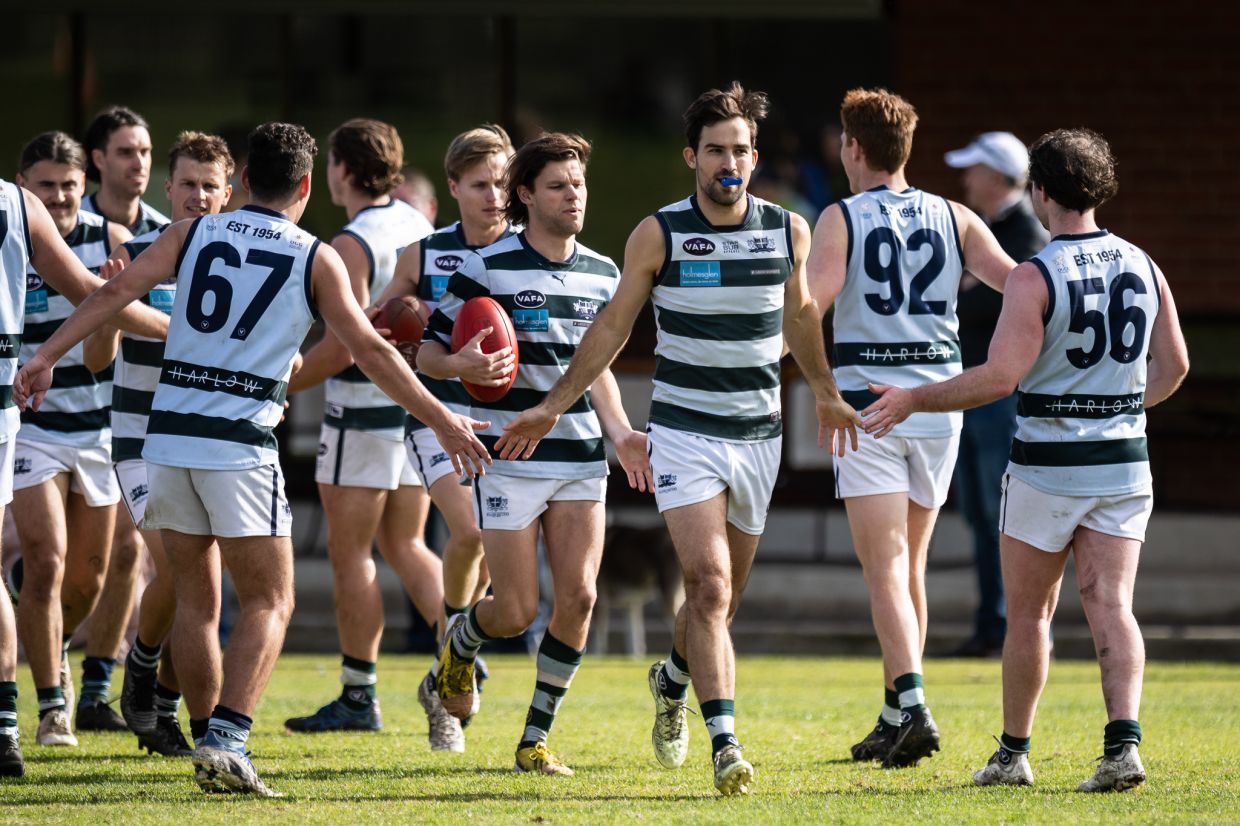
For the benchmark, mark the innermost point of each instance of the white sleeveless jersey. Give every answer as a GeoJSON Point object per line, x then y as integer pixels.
{"type": "Point", "coordinates": [15, 253]}
{"type": "Point", "coordinates": [243, 306]}
{"type": "Point", "coordinates": [76, 410]}
{"type": "Point", "coordinates": [895, 319]}
{"type": "Point", "coordinates": [442, 254]}
{"type": "Point", "coordinates": [149, 218]}
{"type": "Point", "coordinates": [352, 401]}
{"type": "Point", "coordinates": [719, 308]}
{"type": "Point", "coordinates": [1080, 426]}
{"type": "Point", "coordinates": [138, 365]}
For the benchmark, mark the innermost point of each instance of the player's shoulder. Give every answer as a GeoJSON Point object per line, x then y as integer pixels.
{"type": "Point", "coordinates": [595, 262]}
{"type": "Point", "coordinates": [150, 213]}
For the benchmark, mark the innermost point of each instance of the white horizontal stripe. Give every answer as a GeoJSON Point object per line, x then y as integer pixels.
{"type": "Point", "coordinates": [746, 403]}
{"type": "Point", "coordinates": [720, 353]}
{"type": "Point", "coordinates": [205, 454]}
{"type": "Point", "coordinates": [725, 300]}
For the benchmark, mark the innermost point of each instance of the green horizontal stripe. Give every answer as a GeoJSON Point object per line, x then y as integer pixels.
{"type": "Point", "coordinates": [549, 689]}
{"type": "Point", "coordinates": [748, 272]}
{"type": "Point", "coordinates": [545, 353]}
{"type": "Point", "coordinates": [1078, 406]}
{"type": "Point", "coordinates": [1079, 454]}
{"type": "Point", "coordinates": [6, 396]}
{"type": "Point", "coordinates": [739, 428]}
{"type": "Point", "coordinates": [523, 398]}
{"type": "Point", "coordinates": [464, 287]}
{"type": "Point", "coordinates": [238, 431]}
{"type": "Point", "coordinates": [216, 380]}
{"type": "Point", "coordinates": [10, 344]}
{"type": "Point", "coordinates": [557, 450]}
{"type": "Point", "coordinates": [136, 248]}
{"type": "Point", "coordinates": [128, 400]}
{"type": "Point", "coordinates": [87, 420]}
{"type": "Point", "coordinates": [761, 218]}
{"type": "Point", "coordinates": [859, 399]}
{"type": "Point", "coordinates": [539, 719]}
{"type": "Point", "coordinates": [64, 378]}
{"type": "Point", "coordinates": [142, 353]}
{"type": "Point", "coordinates": [352, 373]}
{"type": "Point", "coordinates": [124, 449]}
{"type": "Point", "coordinates": [717, 379]}
{"type": "Point", "coordinates": [447, 391]}
{"type": "Point", "coordinates": [721, 326]}
{"type": "Point", "coordinates": [368, 418]}
{"type": "Point", "coordinates": [85, 233]}
{"type": "Point", "coordinates": [518, 260]}
{"type": "Point", "coordinates": [41, 331]}
{"type": "Point", "coordinates": [896, 353]}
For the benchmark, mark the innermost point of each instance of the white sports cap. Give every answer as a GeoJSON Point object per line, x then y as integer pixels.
{"type": "Point", "coordinates": [1001, 151]}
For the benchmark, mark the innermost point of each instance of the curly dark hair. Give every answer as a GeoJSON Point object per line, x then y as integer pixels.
{"type": "Point", "coordinates": [100, 132]}
{"type": "Point", "coordinates": [1075, 167]}
{"type": "Point", "coordinates": [371, 152]}
{"type": "Point", "coordinates": [281, 154]}
{"type": "Point", "coordinates": [530, 160]}
{"type": "Point", "coordinates": [719, 105]}
{"type": "Point", "coordinates": [201, 147]}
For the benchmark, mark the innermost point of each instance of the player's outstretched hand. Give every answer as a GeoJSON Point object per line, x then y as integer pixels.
{"type": "Point", "coordinates": [635, 459]}
{"type": "Point", "coordinates": [457, 439]}
{"type": "Point", "coordinates": [523, 433]}
{"type": "Point", "coordinates": [837, 419]}
{"type": "Point", "coordinates": [111, 268]}
{"type": "Point", "coordinates": [894, 405]}
{"type": "Point", "coordinates": [32, 383]}
{"type": "Point", "coordinates": [484, 369]}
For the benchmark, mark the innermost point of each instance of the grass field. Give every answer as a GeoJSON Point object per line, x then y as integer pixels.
{"type": "Point", "coordinates": [796, 717]}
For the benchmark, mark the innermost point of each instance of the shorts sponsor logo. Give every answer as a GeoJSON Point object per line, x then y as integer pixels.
{"type": "Point", "coordinates": [138, 493]}
{"type": "Point", "coordinates": [449, 262]}
{"type": "Point", "coordinates": [761, 243]}
{"type": "Point", "coordinates": [698, 246]}
{"type": "Point", "coordinates": [439, 459]}
{"type": "Point", "coordinates": [529, 299]}
{"type": "Point", "coordinates": [531, 321]}
{"type": "Point", "coordinates": [586, 309]}
{"type": "Point", "coordinates": [22, 465]}
{"type": "Point", "coordinates": [497, 506]}
{"type": "Point", "coordinates": [700, 274]}
{"type": "Point", "coordinates": [666, 481]}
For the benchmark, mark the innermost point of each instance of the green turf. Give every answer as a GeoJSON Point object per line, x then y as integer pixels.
{"type": "Point", "coordinates": [797, 718]}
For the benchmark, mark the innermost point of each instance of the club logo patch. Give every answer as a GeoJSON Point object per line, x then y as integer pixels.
{"type": "Point", "coordinates": [761, 243]}
{"type": "Point", "coordinates": [584, 308]}
{"type": "Point", "coordinates": [439, 459]}
{"type": "Point", "coordinates": [698, 246]}
{"type": "Point", "coordinates": [22, 465]}
{"type": "Point", "coordinates": [497, 505]}
{"type": "Point", "coordinates": [666, 480]}
{"type": "Point", "coordinates": [138, 493]}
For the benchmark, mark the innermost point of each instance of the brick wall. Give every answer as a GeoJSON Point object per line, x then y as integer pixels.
{"type": "Point", "coordinates": [1163, 86]}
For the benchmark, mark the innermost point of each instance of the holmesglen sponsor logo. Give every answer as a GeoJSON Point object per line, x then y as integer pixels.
{"type": "Point", "coordinates": [698, 246]}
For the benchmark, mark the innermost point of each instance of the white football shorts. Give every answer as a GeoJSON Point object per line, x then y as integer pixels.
{"type": "Point", "coordinates": [1047, 521]}
{"type": "Point", "coordinates": [224, 503]}
{"type": "Point", "coordinates": [360, 459]}
{"type": "Point", "coordinates": [511, 503]}
{"type": "Point", "coordinates": [89, 468]}
{"type": "Point", "coordinates": [919, 467]}
{"type": "Point", "coordinates": [427, 457]}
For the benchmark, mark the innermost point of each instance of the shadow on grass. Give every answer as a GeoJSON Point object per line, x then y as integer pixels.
{"type": "Point", "coordinates": [44, 756]}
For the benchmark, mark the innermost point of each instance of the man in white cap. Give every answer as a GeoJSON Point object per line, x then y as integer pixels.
{"type": "Point", "coordinates": [995, 168]}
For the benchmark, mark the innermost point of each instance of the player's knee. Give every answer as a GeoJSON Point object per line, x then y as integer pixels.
{"type": "Point", "coordinates": [42, 576]}
{"type": "Point", "coordinates": [710, 594]}
{"type": "Point", "coordinates": [579, 602]}
{"type": "Point", "coordinates": [86, 577]}
{"type": "Point", "coordinates": [513, 616]}
{"type": "Point", "coordinates": [125, 556]}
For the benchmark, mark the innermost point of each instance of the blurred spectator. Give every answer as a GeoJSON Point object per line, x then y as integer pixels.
{"type": "Point", "coordinates": [995, 167]}
{"type": "Point", "coordinates": [822, 176]}
{"type": "Point", "coordinates": [418, 192]}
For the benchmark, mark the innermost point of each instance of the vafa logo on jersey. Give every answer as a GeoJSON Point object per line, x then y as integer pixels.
{"type": "Point", "coordinates": [529, 299]}
{"type": "Point", "coordinates": [449, 262]}
{"type": "Point", "coordinates": [698, 246]}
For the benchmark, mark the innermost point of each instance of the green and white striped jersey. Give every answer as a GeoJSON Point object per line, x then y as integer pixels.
{"type": "Point", "coordinates": [138, 365]}
{"type": "Point", "coordinates": [76, 410]}
{"type": "Point", "coordinates": [243, 306]}
{"type": "Point", "coordinates": [719, 307]}
{"type": "Point", "coordinates": [352, 400]}
{"type": "Point", "coordinates": [442, 254]}
{"type": "Point", "coordinates": [149, 218]}
{"type": "Point", "coordinates": [1080, 420]}
{"type": "Point", "coordinates": [895, 319]}
{"type": "Point", "coordinates": [15, 253]}
{"type": "Point", "coordinates": [552, 304]}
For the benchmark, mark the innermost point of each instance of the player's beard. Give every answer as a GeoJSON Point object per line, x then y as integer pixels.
{"type": "Point", "coordinates": [721, 196]}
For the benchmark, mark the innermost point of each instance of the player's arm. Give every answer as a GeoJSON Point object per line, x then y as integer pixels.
{"type": "Point", "coordinates": [99, 349]}
{"type": "Point", "coordinates": [386, 368]}
{"type": "Point", "coordinates": [1013, 349]}
{"type": "Point", "coordinates": [802, 330]}
{"type": "Point", "coordinates": [1168, 353]}
{"type": "Point", "coordinates": [328, 356]}
{"type": "Point", "coordinates": [630, 444]}
{"type": "Point", "coordinates": [643, 258]}
{"type": "Point", "coordinates": [982, 254]}
{"type": "Point", "coordinates": [435, 357]}
{"type": "Point", "coordinates": [112, 300]}
{"type": "Point", "coordinates": [827, 263]}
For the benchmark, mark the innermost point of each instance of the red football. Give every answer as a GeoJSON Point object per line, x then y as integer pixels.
{"type": "Point", "coordinates": [477, 314]}
{"type": "Point", "coordinates": [405, 320]}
